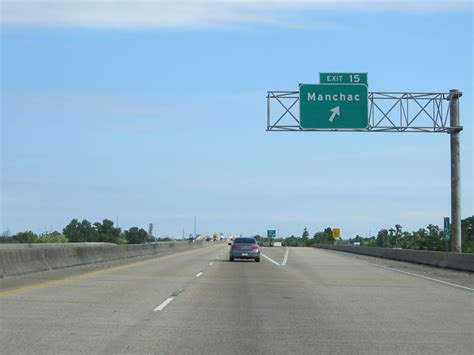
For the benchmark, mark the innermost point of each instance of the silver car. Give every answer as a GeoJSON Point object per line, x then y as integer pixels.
{"type": "Point", "coordinates": [244, 248]}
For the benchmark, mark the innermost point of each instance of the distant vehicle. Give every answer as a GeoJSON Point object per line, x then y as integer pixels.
{"type": "Point", "coordinates": [208, 239]}
{"type": "Point", "coordinates": [244, 248]}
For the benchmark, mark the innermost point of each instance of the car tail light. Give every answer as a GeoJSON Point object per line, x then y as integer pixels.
{"type": "Point", "coordinates": [254, 247]}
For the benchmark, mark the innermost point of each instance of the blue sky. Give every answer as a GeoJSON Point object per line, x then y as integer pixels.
{"type": "Point", "coordinates": [155, 112]}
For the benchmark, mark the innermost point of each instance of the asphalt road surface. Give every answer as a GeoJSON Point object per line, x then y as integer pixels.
{"type": "Point", "coordinates": [297, 300]}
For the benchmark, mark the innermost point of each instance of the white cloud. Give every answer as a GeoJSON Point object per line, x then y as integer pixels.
{"type": "Point", "coordinates": [159, 14]}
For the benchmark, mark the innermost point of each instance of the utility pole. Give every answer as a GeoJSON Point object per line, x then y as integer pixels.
{"type": "Point", "coordinates": [456, 246]}
{"type": "Point", "coordinates": [194, 227]}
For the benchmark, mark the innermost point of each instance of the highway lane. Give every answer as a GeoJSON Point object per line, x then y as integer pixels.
{"type": "Point", "coordinates": [84, 312]}
{"type": "Point", "coordinates": [319, 302]}
{"type": "Point", "coordinates": [28, 280]}
{"type": "Point", "coordinates": [460, 278]}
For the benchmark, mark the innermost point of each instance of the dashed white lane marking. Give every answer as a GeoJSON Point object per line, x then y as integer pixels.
{"type": "Point", "coordinates": [420, 276]}
{"type": "Point", "coordinates": [270, 259]}
{"type": "Point", "coordinates": [164, 304]}
{"type": "Point", "coordinates": [211, 263]}
{"type": "Point", "coordinates": [285, 259]}
{"type": "Point", "coordinates": [199, 274]}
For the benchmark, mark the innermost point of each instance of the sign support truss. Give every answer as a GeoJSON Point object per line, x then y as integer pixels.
{"type": "Point", "coordinates": [391, 112]}
{"type": "Point", "coordinates": [388, 112]}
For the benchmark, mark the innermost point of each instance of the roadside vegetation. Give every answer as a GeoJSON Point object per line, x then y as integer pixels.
{"type": "Point", "coordinates": [84, 231]}
{"type": "Point", "coordinates": [429, 238]}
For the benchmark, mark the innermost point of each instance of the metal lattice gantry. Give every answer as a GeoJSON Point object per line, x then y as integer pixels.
{"type": "Point", "coordinates": [388, 112]}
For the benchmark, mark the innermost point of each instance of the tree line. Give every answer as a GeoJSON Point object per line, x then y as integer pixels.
{"type": "Point", "coordinates": [84, 231]}
{"type": "Point", "coordinates": [324, 237]}
{"type": "Point", "coordinates": [429, 238]}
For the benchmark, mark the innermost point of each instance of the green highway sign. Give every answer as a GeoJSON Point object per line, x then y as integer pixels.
{"type": "Point", "coordinates": [343, 78]}
{"type": "Point", "coordinates": [446, 228]}
{"type": "Point", "coordinates": [271, 233]}
{"type": "Point", "coordinates": [334, 106]}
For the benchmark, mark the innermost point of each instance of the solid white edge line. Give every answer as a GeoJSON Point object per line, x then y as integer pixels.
{"type": "Point", "coordinates": [199, 274]}
{"type": "Point", "coordinates": [164, 304]}
{"type": "Point", "coordinates": [420, 276]}
{"type": "Point", "coordinates": [285, 259]}
{"type": "Point", "coordinates": [270, 259]}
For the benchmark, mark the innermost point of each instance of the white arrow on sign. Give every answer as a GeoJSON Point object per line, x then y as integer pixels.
{"type": "Point", "coordinates": [335, 111]}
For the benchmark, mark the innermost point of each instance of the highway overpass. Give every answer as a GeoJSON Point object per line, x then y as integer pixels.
{"type": "Point", "coordinates": [297, 300]}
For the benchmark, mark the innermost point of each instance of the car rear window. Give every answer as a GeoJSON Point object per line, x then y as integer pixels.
{"type": "Point", "coordinates": [245, 241]}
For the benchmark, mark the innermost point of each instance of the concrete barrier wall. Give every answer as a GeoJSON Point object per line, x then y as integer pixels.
{"type": "Point", "coordinates": [456, 261]}
{"type": "Point", "coordinates": [21, 259]}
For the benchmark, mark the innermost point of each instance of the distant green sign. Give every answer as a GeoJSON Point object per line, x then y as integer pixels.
{"type": "Point", "coordinates": [446, 228]}
{"type": "Point", "coordinates": [343, 78]}
{"type": "Point", "coordinates": [271, 233]}
{"type": "Point", "coordinates": [333, 106]}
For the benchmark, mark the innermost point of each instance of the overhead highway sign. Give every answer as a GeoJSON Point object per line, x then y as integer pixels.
{"type": "Point", "coordinates": [334, 106]}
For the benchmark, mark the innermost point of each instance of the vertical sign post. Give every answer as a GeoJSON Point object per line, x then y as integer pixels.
{"type": "Point", "coordinates": [455, 172]}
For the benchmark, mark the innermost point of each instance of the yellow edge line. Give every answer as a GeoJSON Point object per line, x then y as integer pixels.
{"type": "Point", "coordinates": [97, 272]}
